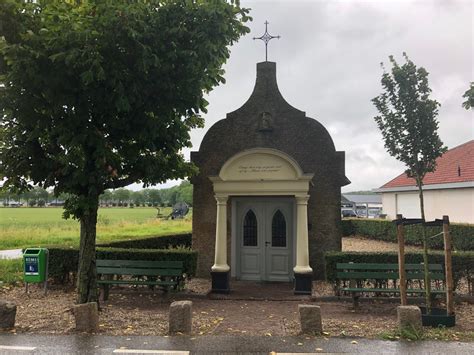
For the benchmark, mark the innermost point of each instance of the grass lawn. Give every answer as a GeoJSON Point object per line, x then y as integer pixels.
{"type": "Point", "coordinates": [33, 227]}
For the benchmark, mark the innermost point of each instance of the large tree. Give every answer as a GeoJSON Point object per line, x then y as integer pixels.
{"type": "Point", "coordinates": [408, 122]}
{"type": "Point", "coordinates": [101, 94]}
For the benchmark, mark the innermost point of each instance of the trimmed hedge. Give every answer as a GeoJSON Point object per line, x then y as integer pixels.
{"type": "Point", "coordinates": [158, 242]}
{"type": "Point", "coordinates": [462, 234]}
{"type": "Point", "coordinates": [65, 261]}
{"type": "Point", "coordinates": [463, 262]}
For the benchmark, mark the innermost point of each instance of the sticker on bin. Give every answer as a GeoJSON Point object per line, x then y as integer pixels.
{"type": "Point", "coordinates": [31, 266]}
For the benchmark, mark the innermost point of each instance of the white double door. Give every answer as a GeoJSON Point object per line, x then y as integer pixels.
{"type": "Point", "coordinates": [264, 238]}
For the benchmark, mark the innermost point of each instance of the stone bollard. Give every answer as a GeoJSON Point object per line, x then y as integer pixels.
{"type": "Point", "coordinates": [7, 314]}
{"type": "Point", "coordinates": [409, 317]}
{"type": "Point", "coordinates": [87, 317]}
{"type": "Point", "coordinates": [181, 317]}
{"type": "Point", "coordinates": [310, 319]}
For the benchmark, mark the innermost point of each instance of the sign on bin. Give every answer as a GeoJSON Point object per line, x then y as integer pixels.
{"type": "Point", "coordinates": [31, 265]}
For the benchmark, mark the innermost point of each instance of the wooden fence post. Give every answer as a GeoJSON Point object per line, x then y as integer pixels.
{"type": "Point", "coordinates": [448, 267]}
{"type": "Point", "coordinates": [401, 260]}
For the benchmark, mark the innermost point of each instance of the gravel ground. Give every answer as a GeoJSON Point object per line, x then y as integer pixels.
{"type": "Point", "coordinates": [363, 244]}
{"type": "Point", "coordinates": [139, 311]}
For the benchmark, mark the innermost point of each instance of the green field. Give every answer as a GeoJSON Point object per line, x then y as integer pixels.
{"type": "Point", "coordinates": [34, 227]}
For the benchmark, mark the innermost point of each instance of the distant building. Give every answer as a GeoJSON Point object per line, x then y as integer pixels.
{"type": "Point", "coordinates": [365, 205]}
{"type": "Point", "coordinates": [447, 191]}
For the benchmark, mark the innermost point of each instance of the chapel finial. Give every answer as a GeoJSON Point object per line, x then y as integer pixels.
{"type": "Point", "coordinates": [266, 37]}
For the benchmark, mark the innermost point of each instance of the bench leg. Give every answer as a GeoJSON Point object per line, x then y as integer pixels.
{"type": "Point", "coordinates": [104, 293]}
{"type": "Point", "coordinates": [355, 300]}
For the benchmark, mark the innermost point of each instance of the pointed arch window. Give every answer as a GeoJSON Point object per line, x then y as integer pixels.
{"type": "Point", "coordinates": [250, 230]}
{"type": "Point", "coordinates": [278, 230]}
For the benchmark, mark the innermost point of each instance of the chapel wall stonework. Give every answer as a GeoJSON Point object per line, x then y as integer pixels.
{"type": "Point", "coordinates": [266, 120]}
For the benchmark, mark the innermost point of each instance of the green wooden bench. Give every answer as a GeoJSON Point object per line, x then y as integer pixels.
{"type": "Point", "coordinates": [383, 278]}
{"type": "Point", "coordinates": [165, 274]}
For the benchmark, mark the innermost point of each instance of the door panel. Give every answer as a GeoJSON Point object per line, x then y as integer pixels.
{"type": "Point", "coordinates": [264, 242]}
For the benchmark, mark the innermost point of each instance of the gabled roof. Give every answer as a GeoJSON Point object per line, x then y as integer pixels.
{"type": "Point", "coordinates": [366, 198]}
{"type": "Point", "coordinates": [454, 166]}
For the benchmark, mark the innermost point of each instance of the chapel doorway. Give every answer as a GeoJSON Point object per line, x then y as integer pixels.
{"type": "Point", "coordinates": [264, 238]}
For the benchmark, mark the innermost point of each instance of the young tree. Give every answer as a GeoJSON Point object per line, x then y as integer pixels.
{"type": "Point", "coordinates": [407, 120]}
{"type": "Point", "coordinates": [101, 94]}
{"type": "Point", "coordinates": [469, 96]}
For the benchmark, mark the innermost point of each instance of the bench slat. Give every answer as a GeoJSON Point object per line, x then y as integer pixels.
{"type": "Point", "coordinates": [138, 271]}
{"type": "Point", "coordinates": [372, 266]}
{"type": "Point", "coordinates": [374, 275]}
{"type": "Point", "coordinates": [136, 282]}
{"type": "Point", "coordinates": [166, 264]}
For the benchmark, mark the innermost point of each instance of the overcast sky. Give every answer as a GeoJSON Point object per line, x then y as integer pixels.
{"type": "Point", "coordinates": [328, 65]}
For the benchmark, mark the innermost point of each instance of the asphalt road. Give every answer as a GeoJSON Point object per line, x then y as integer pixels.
{"type": "Point", "coordinates": [183, 345]}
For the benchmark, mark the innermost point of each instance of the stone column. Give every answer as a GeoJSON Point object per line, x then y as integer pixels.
{"type": "Point", "coordinates": [303, 272]}
{"type": "Point", "coordinates": [220, 269]}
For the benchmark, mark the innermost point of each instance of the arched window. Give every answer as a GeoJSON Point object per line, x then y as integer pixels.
{"type": "Point", "coordinates": [250, 229]}
{"type": "Point", "coordinates": [278, 230]}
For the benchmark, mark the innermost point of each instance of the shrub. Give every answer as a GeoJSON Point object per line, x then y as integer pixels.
{"type": "Point", "coordinates": [463, 262]}
{"type": "Point", "coordinates": [462, 234]}
{"type": "Point", "coordinates": [160, 242]}
{"type": "Point", "coordinates": [63, 261]}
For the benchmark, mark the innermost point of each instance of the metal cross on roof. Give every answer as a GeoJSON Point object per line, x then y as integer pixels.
{"type": "Point", "coordinates": [266, 37]}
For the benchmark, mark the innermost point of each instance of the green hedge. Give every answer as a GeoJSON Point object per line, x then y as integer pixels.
{"type": "Point", "coordinates": [63, 261]}
{"type": "Point", "coordinates": [463, 262]}
{"type": "Point", "coordinates": [159, 242]}
{"type": "Point", "coordinates": [462, 234]}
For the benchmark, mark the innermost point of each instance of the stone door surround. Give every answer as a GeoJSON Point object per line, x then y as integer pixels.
{"type": "Point", "coordinates": [262, 172]}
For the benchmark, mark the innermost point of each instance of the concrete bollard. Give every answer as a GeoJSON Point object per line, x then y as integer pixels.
{"type": "Point", "coordinates": [409, 317]}
{"type": "Point", "coordinates": [7, 314]}
{"type": "Point", "coordinates": [87, 317]}
{"type": "Point", "coordinates": [180, 317]}
{"type": "Point", "coordinates": [310, 319]}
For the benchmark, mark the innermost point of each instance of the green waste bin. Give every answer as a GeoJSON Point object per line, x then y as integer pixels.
{"type": "Point", "coordinates": [35, 261]}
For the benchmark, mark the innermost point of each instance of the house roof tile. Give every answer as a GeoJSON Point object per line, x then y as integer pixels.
{"type": "Point", "coordinates": [456, 165]}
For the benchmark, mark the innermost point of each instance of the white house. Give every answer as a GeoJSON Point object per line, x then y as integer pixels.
{"type": "Point", "coordinates": [447, 191]}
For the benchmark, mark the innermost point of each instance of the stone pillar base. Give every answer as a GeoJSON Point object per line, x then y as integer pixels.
{"type": "Point", "coordinates": [220, 282]}
{"type": "Point", "coordinates": [303, 284]}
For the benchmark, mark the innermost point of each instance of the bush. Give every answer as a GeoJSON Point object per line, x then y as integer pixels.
{"type": "Point", "coordinates": [462, 234]}
{"type": "Point", "coordinates": [160, 242]}
{"type": "Point", "coordinates": [63, 261]}
{"type": "Point", "coordinates": [463, 262]}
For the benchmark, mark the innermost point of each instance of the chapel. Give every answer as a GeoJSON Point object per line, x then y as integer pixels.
{"type": "Point", "coordinates": [267, 196]}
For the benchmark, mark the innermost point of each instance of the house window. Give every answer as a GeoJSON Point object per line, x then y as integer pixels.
{"type": "Point", "coordinates": [278, 230]}
{"type": "Point", "coordinates": [250, 229]}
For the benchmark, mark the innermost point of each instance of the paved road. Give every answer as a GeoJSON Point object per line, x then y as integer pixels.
{"type": "Point", "coordinates": [11, 254]}
{"type": "Point", "coordinates": [183, 345]}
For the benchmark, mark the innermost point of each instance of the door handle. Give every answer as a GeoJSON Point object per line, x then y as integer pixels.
{"type": "Point", "coordinates": [267, 243]}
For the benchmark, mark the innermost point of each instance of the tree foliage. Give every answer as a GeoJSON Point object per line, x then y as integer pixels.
{"type": "Point", "coordinates": [101, 94]}
{"type": "Point", "coordinates": [469, 96]}
{"type": "Point", "coordinates": [407, 118]}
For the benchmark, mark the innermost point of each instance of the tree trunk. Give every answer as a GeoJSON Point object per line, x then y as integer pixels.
{"type": "Point", "coordinates": [401, 261]}
{"type": "Point", "coordinates": [87, 274]}
{"type": "Point", "coordinates": [425, 252]}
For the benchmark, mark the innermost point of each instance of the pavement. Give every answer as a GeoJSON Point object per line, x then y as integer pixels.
{"type": "Point", "coordinates": [210, 345]}
{"type": "Point", "coordinates": [11, 254]}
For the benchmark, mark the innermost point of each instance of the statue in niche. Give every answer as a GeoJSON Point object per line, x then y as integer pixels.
{"type": "Point", "coordinates": [265, 123]}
